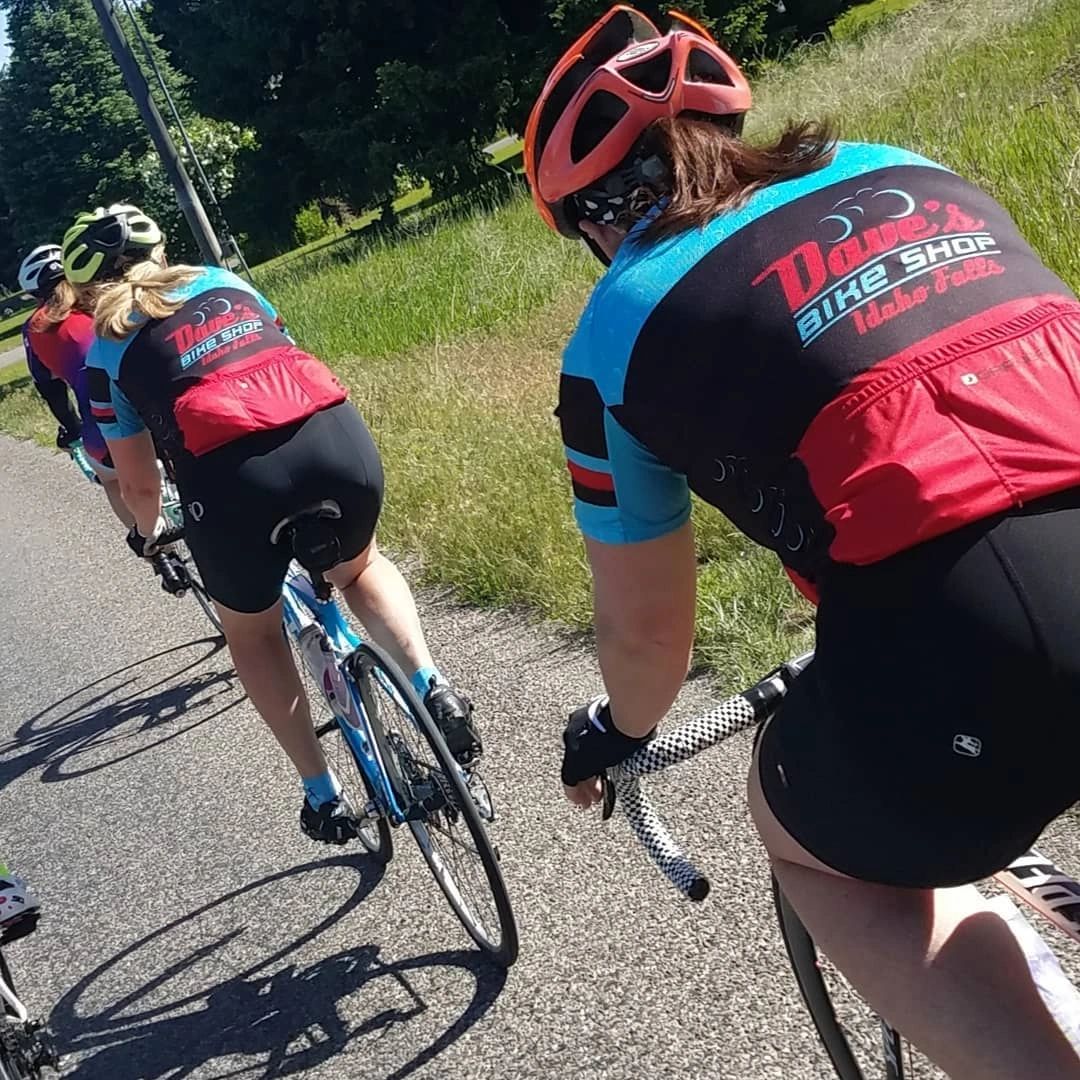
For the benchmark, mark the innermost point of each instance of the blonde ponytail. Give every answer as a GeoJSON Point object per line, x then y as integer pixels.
{"type": "Point", "coordinates": [147, 290]}
{"type": "Point", "coordinates": [64, 300]}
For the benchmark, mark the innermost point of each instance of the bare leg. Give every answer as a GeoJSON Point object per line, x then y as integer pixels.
{"type": "Point", "coordinates": [381, 599]}
{"type": "Point", "coordinates": [265, 664]}
{"type": "Point", "coordinates": [112, 492]}
{"type": "Point", "coordinates": [942, 969]}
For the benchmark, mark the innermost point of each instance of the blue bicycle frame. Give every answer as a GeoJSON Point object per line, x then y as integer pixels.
{"type": "Point", "coordinates": [302, 609]}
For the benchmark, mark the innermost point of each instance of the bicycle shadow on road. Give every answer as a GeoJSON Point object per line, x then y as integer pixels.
{"type": "Point", "coordinates": [125, 713]}
{"type": "Point", "coordinates": [289, 1016]}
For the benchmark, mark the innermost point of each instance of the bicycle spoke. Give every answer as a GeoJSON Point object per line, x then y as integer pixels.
{"type": "Point", "coordinates": [449, 841]}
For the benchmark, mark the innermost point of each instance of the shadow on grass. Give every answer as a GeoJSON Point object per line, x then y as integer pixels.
{"type": "Point", "coordinates": [123, 714]}
{"type": "Point", "coordinates": [287, 1014]}
{"type": "Point", "coordinates": [13, 386]}
{"type": "Point", "coordinates": [414, 222]}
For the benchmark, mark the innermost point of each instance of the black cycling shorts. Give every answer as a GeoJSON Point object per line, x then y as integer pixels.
{"type": "Point", "coordinates": [936, 733]}
{"type": "Point", "coordinates": [234, 497]}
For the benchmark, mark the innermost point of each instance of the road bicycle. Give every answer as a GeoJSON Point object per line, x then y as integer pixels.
{"type": "Point", "coordinates": [174, 566]}
{"type": "Point", "coordinates": [382, 741]}
{"type": "Point", "coordinates": [859, 1044]}
{"type": "Point", "coordinates": [26, 1046]}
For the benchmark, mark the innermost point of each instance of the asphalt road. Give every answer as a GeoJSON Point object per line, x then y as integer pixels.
{"type": "Point", "coordinates": [11, 356]}
{"type": "Point", "coordinates": [190, 931]}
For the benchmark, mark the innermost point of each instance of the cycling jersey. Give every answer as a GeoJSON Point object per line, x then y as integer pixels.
{"type": "Point", "coordinates": [58, 351]}
{"type": "Point", "coordinates": [221, 367]}
{"type": "Point", "coordinates": [854, 362]}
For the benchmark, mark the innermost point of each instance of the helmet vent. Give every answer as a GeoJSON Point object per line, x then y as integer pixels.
{"type": "Point", "coordinates": [599, 116]}
{"type": "Point", "coordinates": [707, 69]}
{"type": "Point", "coordinates": [652, 75]}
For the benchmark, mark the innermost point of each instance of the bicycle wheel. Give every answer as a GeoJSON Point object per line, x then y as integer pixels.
{"type": "Point", "coordinates": [860, 1045]}
{"type": "Point", "coordinates": [11, 1067]}
{"type": "Point", "coordinates": [444, 818]}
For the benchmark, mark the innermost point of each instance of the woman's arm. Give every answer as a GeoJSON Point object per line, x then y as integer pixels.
{"type": "Point", "coordinates": [643, 596]}
{"type": "Point", "coordinates": [140, 483]}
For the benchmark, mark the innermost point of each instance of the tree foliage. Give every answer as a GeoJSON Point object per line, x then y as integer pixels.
{"type": "Point", "coordinates": [70, 135]}
{"type": "Point", "coordinates": [346, 97]}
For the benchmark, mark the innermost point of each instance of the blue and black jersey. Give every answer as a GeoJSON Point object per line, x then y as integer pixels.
{"type": "Point", "coordinates": [221, 367]}
{"type": "Point", "coordinates": [854, 361]}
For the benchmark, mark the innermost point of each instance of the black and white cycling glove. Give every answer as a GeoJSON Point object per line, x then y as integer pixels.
{"type": "Point", "coordinates": [147, 546]}
{"type": "Point", "coordinates": [592, 743]}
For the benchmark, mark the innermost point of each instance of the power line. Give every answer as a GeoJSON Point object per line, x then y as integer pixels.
{"type": "Point", "coordinates": [187, 196]}
{"type": "Point", "coordinates": [208, 188]}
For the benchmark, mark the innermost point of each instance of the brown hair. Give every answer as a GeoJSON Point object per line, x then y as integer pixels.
{"type": "Point", "coordinates": [713, 170]}
{"type": "Point", "coordinates": [147, 290]}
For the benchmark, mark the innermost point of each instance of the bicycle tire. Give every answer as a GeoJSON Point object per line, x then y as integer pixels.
{"type": "Point", "coordinates": [409, 774]}
{"type": "Point", "coordinates": [806, 963]}
{"type": "Point", "coordinates": [374, 835]}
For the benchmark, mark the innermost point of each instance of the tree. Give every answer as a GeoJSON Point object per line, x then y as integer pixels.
{"type": "Point", "coordinates": [219, 144]}
{"type": "Point", "coordinates": [9, 248]}
{"type": "Point", "coordinates": [70, 136]}
{"type": "Point", "coordinates": [349, 95]}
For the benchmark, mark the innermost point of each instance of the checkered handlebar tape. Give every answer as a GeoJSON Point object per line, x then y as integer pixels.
{"type": "Point", "coordinates": [673, 747]}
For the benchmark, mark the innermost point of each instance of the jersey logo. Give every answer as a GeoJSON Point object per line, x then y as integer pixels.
{"type": "Point", "coordinates": [216, 327]}
{"type": "Point", "coordinates": [967, 745]}
{"type": "Point", "coordinates": [881, 254]}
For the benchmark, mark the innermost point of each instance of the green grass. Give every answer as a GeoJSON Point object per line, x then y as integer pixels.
{"type": "Point", "coordinates": [859, 19]}
{"type": "Point", "coordinates": [12, 328]}
{"type": "Point", "coordinates": [407, 201]}
{"type": "Point", "coordinates": [461, 277]}
{"type": "Point", "coordinates": [451, 340]}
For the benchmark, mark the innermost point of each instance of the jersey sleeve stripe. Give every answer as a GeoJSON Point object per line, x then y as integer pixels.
{"type": "Point", "coordinates": [591, 478]}
{"type": "Point", "coordinates": [594, 496]}
{"type": "Point", "coordinates": [587, 461]}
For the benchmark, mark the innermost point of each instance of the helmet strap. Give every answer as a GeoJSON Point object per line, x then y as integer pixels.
{"type": "Point", "coordinates": [626, 194]}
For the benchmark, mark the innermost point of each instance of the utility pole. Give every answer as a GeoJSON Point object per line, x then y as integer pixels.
{"type": "Point", "coordinates": [186, 195]}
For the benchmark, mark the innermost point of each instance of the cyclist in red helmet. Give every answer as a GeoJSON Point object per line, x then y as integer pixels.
{"type": "Point", "coordinates": [853, 353]}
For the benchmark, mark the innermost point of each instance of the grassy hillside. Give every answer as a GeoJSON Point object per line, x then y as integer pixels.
{"type": "Point", "coordinates": [451, 340]}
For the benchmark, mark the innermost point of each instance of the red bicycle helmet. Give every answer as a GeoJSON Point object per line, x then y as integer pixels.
{"type": "Point", "coordinates": [612, 83]}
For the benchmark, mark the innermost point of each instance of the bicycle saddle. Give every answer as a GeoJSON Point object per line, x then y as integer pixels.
{"type": "Point", "coordinates": [312, 537]}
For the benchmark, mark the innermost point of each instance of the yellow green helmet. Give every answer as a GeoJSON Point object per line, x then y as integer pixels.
{"type": "Point", "coordinates": [103, 242]}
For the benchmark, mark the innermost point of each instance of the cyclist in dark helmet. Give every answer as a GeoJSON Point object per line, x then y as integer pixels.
{"type": "Point", "coordinates": [853, 353]}
{"type": "Point", "coordinates": [257, 431]}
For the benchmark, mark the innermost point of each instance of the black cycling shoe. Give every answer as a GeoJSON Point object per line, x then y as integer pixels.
{"type": "Point", "coordinates": [452, 713]}
{"type": "Point", "coordinates": [333, 823]}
